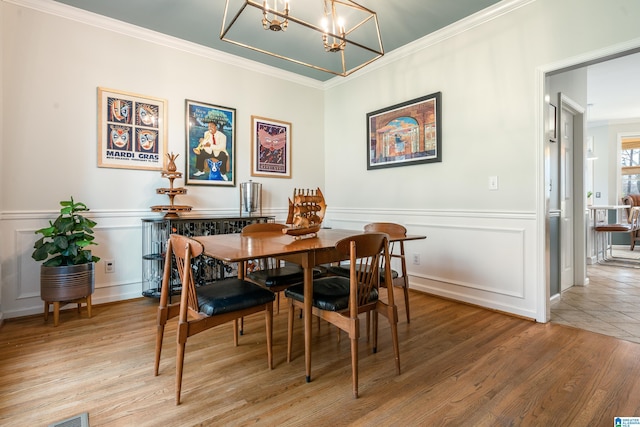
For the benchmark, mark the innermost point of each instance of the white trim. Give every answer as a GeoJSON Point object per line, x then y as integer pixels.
{"type": "Point", "coordinates": [99, 21]}
{"type": "Point", "coordinates": [452, 30]}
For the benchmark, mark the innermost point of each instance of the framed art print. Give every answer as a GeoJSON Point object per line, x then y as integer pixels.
{"type": "Point", "coordinates": [211, 145]}
{"type": "Point", "coordinates": [132, 130]}
{"type": "Point", "coordinates": [270, 148]}
{"type": "Point", "coordinates": [405, 134]}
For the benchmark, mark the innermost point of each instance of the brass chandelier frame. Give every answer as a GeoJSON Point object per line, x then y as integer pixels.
{"type": "Point", "coordinates": [341, 36]}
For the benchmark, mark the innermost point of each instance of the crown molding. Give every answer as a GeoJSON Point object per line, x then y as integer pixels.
{"type": "Point", "coordinates": [481, 17]}
{"type": "Point", "coordinates": [89, 18]}
{"type": "Point", "coordinates": [95, 20]}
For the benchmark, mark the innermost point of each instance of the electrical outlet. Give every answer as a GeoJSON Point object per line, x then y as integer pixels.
{"type": "Point", "coordinates": [109, 266]}
{"type": "Point", "coordinates": [416, 259]}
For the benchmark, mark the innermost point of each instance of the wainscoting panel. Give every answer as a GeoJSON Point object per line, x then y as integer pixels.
{"type": "Point", "coordinates": [484, 258]}
{"type": "Point", "coordinates": [118, 237]}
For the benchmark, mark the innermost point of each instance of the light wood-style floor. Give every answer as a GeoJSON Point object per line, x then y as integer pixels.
{"type": "Point", "coordinates": [461, 365]}
{"type": "Point", "coordinates": [609, 304]}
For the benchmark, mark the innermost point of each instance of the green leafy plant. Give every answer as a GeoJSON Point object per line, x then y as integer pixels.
{"type": "Point", "coordinates": [65, 240]}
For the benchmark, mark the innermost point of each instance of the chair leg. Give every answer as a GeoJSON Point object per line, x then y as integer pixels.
{"type": "Point", "coordinates": [354, 358]}
{"type": "Point", "coordinates": [374, 314]}
{"type": "Point", "coordinates": [290, 330]}
{"type": "Point", "coordinates": [393, 321]}
{"type": "Point", "coordinates": [269, 322]}
{"type": "Point", "coordinates": [235, 332]}
{"type": "Point", "coordinates": [159, 336]}
{"type": "Point", "coordinates": [368, 325]}
{"type": "Point", "coordinates": [405, 289]}
{"type": "Point", "coordinates": [179, 367]}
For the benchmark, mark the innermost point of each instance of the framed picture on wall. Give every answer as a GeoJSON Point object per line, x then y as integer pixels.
{"type": "Point", "coordinates": [405, 134]}
{"type": "Point", "coordinates": [270, 148]}
{"type": "Point", "coordinates": [211, 144]}
{"type": "Point", "coordinates": [132, 130]}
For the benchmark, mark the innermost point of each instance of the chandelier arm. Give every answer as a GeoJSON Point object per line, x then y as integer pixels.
{"type": "Point", "coordinates": [354, 5]}
{"type": "Point", "coordinates": [224, 31]}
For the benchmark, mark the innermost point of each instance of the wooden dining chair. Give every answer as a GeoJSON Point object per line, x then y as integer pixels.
{"type": "Point", "coordinates": [396, 251]}
{"type": "Point", "coordinates": [204, 307]}
{"type": "Point", "coordinates": [273, 273]}
{"type": "Point", "coordinates": [339, 300]}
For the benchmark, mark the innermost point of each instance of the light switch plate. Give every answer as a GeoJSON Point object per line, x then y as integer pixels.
{"type": "Point", "coordinates": [493, 183]}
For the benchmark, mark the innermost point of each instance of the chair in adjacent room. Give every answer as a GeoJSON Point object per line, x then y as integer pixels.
{"type": "Point", "coordinates": [339, 300]}
{"type": "Point", "coordinates": [605, 231]}
{"type": "Point", "coordinates": [204, 307]}
{"type": "Point", "coordinates": [632, 200]}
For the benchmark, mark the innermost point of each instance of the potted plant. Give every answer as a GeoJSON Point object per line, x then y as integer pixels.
{"type": "Point", "coordinates": [67, 274]}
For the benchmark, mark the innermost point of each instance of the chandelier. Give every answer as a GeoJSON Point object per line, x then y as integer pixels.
{"type": "Point", "coordinates": [274, 24]}
{"type": "Point", "coordinates": [333, 36]}
{"type": "Point", "coordinates": [337, 27]}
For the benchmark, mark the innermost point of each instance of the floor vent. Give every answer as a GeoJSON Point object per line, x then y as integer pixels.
{"type": "Point", "coordinates": [81, 420]}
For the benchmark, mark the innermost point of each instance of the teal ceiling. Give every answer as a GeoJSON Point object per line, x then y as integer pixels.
{"type": "Point", "coordinates": [200, 22]}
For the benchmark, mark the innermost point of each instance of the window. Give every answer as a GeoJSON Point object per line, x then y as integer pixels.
{"type": "Point", "coordinates": [630, 165]}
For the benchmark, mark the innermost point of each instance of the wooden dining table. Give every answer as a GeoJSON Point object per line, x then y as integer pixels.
{"type": "Point", "coordinates": [307, 252]}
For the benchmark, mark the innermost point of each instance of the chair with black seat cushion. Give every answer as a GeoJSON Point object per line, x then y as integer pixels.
{"type": "Point", "coordinates": [203, 307]}
{"type": "Point", "coordinates": [339, 300]}
{"type": "Point", "coordinates": [396, 251]}
{"type": "Point", "coordinates": [272, 273]}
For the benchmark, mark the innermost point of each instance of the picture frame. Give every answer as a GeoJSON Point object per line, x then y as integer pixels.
{"type": "Point", "coordinates": [132, 130]}
{"type": "Point", "coordinates": [211, 144]}
{"type": "Point", "coordinates": [270, 148]}
{"type": "Point", "coordinates": [405, 134]}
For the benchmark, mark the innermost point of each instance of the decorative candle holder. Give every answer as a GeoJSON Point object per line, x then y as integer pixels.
{"type": "Point", "coordinates": [171, 174]}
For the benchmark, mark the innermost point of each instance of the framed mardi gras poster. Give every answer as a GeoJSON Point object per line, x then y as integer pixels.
{"type": "Point", "coordinates": [132, 131]}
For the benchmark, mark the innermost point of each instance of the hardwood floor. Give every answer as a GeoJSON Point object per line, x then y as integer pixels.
{"type": "Point", "coordinates": [461, 365]}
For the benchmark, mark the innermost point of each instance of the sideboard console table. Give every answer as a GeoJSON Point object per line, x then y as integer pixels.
{"type": "Point", "coordinates": [155, 233]}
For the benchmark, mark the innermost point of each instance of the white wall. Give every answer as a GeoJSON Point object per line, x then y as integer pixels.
{"type": "Point", "coordinates": [52, 67]}
{"type": "Point", "coordinates": [485, 247]}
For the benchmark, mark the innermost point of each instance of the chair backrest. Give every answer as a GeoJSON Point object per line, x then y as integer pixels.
{"type": "Point", "coordinates": [184, 250]}
{"type": "Point", "coordinates": [631, 200]}
{"type": "Point", "coordinates": [365, 253]}
{"type": "Point", "coordinates": [261, 227]}
{"type": "Point", "coordinates": [391, 228]}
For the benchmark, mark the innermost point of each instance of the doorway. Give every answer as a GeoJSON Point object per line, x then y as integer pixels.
{"type": "Point", "coordinates": [574, 80]}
